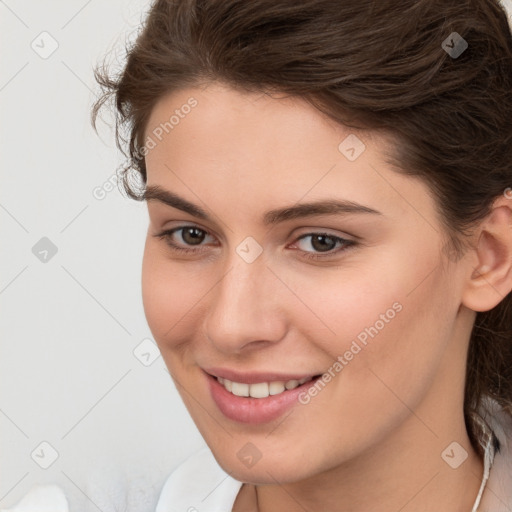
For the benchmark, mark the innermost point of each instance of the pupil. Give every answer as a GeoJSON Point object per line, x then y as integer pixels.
{"type": "Point", "coordinates": [195, 238]}
{"type": "Point", "coordinates": [322, 246]}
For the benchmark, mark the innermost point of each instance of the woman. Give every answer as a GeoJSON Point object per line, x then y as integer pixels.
{"type": "Point", "coordinates": [328, 264]}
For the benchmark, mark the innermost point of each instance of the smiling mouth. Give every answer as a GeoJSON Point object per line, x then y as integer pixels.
{"type": "Point", "coordinates": [262, 389]}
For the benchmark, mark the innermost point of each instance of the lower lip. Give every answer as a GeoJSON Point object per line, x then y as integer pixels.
{"type": "Point", "coordinates": [254, 410]}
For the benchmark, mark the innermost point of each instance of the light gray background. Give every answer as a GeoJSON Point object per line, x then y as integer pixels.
{"type": "Point", "coordinates": [70, 325]}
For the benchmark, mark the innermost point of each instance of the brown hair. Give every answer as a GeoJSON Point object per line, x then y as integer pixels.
{"type": "Point", "coordinates": [374, 65]}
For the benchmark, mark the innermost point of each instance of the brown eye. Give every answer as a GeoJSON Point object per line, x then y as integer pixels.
{"type": "Point", "coordinates": [323, 242]}
{"type": "Point", "coordinates": [192, 235]}
{"type": "Point", "coordinates": [324, 245]}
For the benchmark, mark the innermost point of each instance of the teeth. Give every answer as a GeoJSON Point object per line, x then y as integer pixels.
{"type": "Point", "coordinates": [240, 389]}
{"type": "Point", "coordinates": [276, 387]}
{"type": "Point", "coordinates": [291, 384]}
{"type": "Point", "coordinates": [260, 389]}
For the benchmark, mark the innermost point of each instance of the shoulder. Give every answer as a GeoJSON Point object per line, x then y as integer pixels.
{"type": "Point", "coordinates": [497, 496]}
{"type": "Point", "coordinates": [198, 484]}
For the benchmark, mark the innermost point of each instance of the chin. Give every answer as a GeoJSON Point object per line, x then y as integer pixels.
{"type": "Point", "coordinates": [266, 470]}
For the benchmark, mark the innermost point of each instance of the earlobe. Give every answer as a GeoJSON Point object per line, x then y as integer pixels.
{"type": "Point", "coordinates": [490, 281]}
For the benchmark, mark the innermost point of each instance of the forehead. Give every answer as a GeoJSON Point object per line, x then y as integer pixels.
{"type": "Point", "coordinates": [275, 149]}
{"type": "Point", "coordinates": [220, 109]}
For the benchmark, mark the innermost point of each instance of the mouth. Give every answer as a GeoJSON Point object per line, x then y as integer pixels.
{"type": "Point", "coordinates": [262, 389]}
{"type": "Point", "coordinates": [257, 402]}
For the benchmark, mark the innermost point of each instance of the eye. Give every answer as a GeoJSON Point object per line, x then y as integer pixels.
{"type": "Point", "coordinates": [325, 243]}
{"type": "Point", "coordinates": [193, 236]}
{"type": "Point", "coordinates": [190, 235]}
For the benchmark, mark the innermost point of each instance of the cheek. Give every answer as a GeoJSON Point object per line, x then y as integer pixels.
{"type": "Point", "coordinates": [388, 318]}
{"type": "Point", "coordinates": [354, 303]}
{"type": "Point", "coordinates": [170, 293]}
{"type": "Point", "coordinates": [391, 329]}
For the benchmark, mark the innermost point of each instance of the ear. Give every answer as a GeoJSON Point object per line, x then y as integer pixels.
{"type": "Point", "coordinates": [490, 265]}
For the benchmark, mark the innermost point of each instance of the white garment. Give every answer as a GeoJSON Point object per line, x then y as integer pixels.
{"type": "Point", "coordinates": [199, 484]}
{"type": "Point", "coordinates": [42, 498]}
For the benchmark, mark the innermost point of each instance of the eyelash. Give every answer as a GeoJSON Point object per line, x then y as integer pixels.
{"type": "Point", "coordinates": [348, 244]}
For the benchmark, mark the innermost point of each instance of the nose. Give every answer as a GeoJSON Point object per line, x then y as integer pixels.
{"type": "Point", "coordinates": [246, 308]}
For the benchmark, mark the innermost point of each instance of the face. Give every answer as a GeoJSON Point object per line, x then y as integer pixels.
{"type": "Point", "coordinates": [229, 289]}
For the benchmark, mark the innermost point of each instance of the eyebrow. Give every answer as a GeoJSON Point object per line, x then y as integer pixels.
{"type": "Point", "coordinates": [324, 207]}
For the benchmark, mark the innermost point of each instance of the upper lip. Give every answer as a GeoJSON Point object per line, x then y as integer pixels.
{"type": "Point", "coordinates": [255, 377]}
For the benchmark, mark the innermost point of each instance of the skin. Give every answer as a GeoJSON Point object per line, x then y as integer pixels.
{"type": "Point", "coordinates": [372, 439]}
